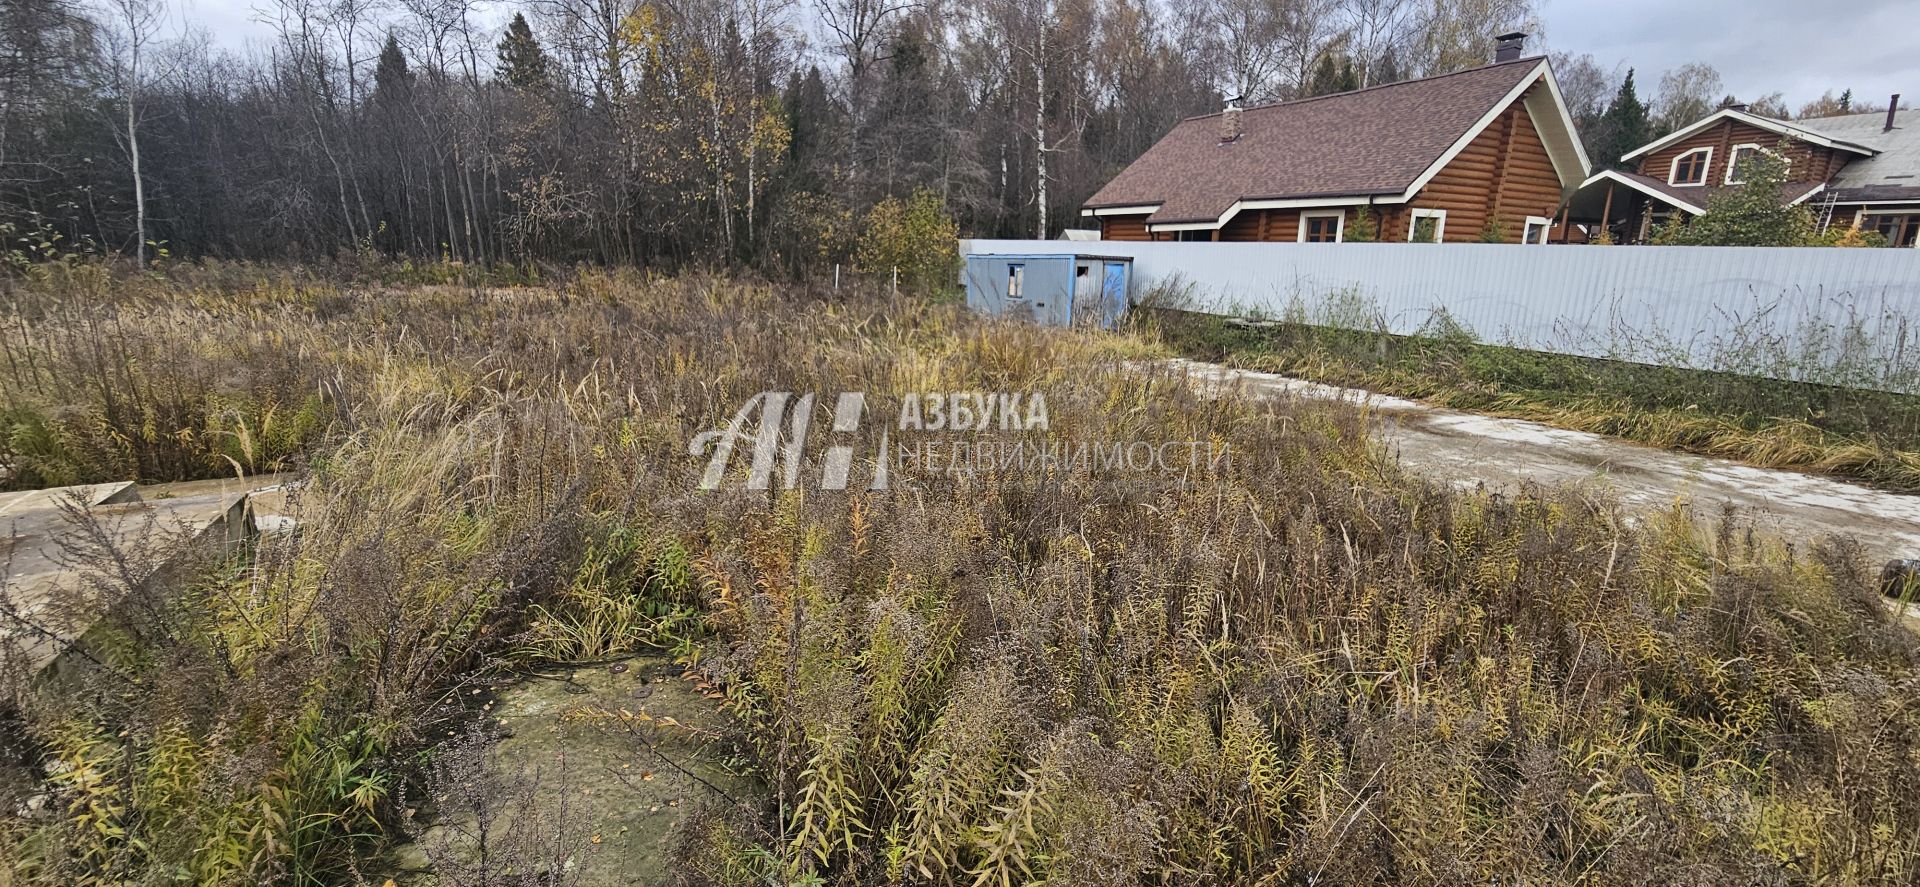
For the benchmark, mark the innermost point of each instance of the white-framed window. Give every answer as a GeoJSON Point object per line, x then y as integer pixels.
{"type": "Point", "coordinates": [1016, 280]}
{"type": "Point", "coordinates": [1538, 229]}
{"type": "Point", "coordinates": [1742, 152]}
{"type": "Point", "coordinates": [1322, 226]}
{"type": "Point", "coordinates": [1435, 221]}
{"type": "Point", "coordinates": [1690, 168]}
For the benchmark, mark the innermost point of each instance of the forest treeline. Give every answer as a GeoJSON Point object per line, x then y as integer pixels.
{"type": "Point", "coordinates": [753, 133]}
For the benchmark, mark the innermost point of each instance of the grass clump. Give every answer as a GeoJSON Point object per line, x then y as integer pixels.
{"type": "Point", "coordinates": [1298, 664]}
{"type": "Point", "coordinates": [622, 599]}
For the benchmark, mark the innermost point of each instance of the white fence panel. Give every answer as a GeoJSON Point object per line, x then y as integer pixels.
{"type": "Point", "coordinates": [1834, 316]}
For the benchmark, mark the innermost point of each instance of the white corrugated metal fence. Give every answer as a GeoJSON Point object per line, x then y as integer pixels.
{"type": "Point", "coordinates": [1836, 316]}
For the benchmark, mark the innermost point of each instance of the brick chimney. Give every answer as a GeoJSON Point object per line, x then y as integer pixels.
{"type": "Point", "coordinates": [1230, 121]}
{"type": "Point", "coordinates": [1507, 47]}
{"type": "Point", "coordinates": [1893, 105]}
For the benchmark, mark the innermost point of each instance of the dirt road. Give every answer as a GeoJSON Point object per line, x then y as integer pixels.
{"type": "Point", "coordinates": [1469, 450]}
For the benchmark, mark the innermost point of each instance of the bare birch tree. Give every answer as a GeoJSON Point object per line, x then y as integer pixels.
{"type": "Point", "coordinates": [135, 25]}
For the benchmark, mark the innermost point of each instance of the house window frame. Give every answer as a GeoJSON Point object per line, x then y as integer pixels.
{"type": "Point", "coordinates": [1546, 230]}
{"type": "Point", "coordinates": [1017, 280]}
{"type": "Point", "coordinates": [1673, 169]}
{"type": "Point", "coordinates": [1339, 225]}
{"type": "Point", "coordinates": [1869, 222]}
{"type": "Point", "coordinates": [1733, 160]}
{"type": "Point", "coordinates": [1439, 217]}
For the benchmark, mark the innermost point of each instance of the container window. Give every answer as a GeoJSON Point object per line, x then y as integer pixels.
{"type": "Point", "coordinates": [1016, 281]}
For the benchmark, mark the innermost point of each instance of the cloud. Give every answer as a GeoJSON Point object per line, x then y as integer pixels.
{"type": "Point", "coordinates": [1758, 46]}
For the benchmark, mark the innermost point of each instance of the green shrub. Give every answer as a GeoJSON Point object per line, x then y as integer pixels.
{"type": "Point", "coordinates": [1495, 229]}
{"type": "Point", "coordinates": [915, 236]}
{"type": "Point", "coordinates": [1364, 227]}
{"type": "Point", "coordinates": [1425, 230]}
{"type": "Point", "coordinates": [1756, 213]}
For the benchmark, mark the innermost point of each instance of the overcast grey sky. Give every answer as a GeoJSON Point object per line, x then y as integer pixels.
{"type": "Point", "coordinates": [1799, 47]}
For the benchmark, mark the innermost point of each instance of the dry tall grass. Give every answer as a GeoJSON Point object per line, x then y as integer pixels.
{"type": "Point", "coordinates": [1304, 667]}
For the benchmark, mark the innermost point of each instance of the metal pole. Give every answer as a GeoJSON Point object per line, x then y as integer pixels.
{"type": "Point", "coordinates": [836, 277]}
{"type": "Point", "coordinates": [896, 280]}
{"type": "Point", "coordinates": [1606, 210]}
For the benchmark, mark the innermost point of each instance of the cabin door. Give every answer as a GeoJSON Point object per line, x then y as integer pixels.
{"type": "Point", "coordinates": [1113, 294]}
{"type": "Point", "coordinates": [1086, 293]}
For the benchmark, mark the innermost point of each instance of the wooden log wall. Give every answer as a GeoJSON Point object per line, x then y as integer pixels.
{"type": "Point", "coordinates": [1807, 162]}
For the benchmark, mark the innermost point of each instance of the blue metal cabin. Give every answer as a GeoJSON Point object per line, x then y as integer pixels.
{"type": "Point", "coordinates": [1055, 289]}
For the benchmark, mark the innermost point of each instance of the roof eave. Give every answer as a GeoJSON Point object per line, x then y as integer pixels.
{"type": "Point", "coordinates": [1803, 198]}
{"type": "Point", "coordinates": [1615, 175]}
{"type": "Point", "coordinates": [1775, 126]}
{"type": "Point", "coordinates": [1309, 201]}
{"type": "Point", "coordinates": [1118, 209]}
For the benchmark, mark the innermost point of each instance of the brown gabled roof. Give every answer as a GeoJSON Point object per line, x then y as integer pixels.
{"type": "Point", "coordinates": [1794, 129]}
{"type": "Point", "coordinates": [1366, 142]}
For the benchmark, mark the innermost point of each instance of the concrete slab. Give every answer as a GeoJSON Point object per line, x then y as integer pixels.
{"type": "Point", "coordinates": [1469, 450]}
{"type": "Point", "coordinates": [90, 494]}
{"type": "Point", "coordinates": [38, 621]}
{"type": "Point", "coordinates": [605, 761]}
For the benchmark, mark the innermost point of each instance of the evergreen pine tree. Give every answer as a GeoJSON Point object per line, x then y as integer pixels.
{"type": "Point", "coordinates": [1388, 69]}
{"type": "Point", "coordinates": [1623, 128]}
{"type": "Point", "coordinates": [391, 80]}
{"type": "Point", "coordinates": [1326, 77]}
{"type": "Point", "coordinates": [811, 122]}
{"type": "Point", "coordinates": [1364, 228]}
{"type": "Point", "coordinates": [523, 64]}
{"type": "Point", "coordinates": [1349, 81]}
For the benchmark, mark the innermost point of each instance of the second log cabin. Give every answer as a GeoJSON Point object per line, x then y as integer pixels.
{"type": "Point", "coordinates": [1852, 170]}
{"type": "Point", "coordinates": [1488, 153]}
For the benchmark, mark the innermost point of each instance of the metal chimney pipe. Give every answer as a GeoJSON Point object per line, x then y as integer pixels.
{"type": "Point", "coordinates": [1507, 47]}
{"type": "Point", "coordinates": [1893, 105]}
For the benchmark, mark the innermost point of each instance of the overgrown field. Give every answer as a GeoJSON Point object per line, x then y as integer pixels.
{"type": "Point", "coordinates": [1299, 665]}
{"type": "Point", "coordinates": [1850, 432]}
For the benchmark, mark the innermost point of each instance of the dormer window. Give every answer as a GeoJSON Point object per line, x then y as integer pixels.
{"type": "Point", "coordinates": [1741, 154]}
{"type": "Point", "coordinates": [1690, 168]}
